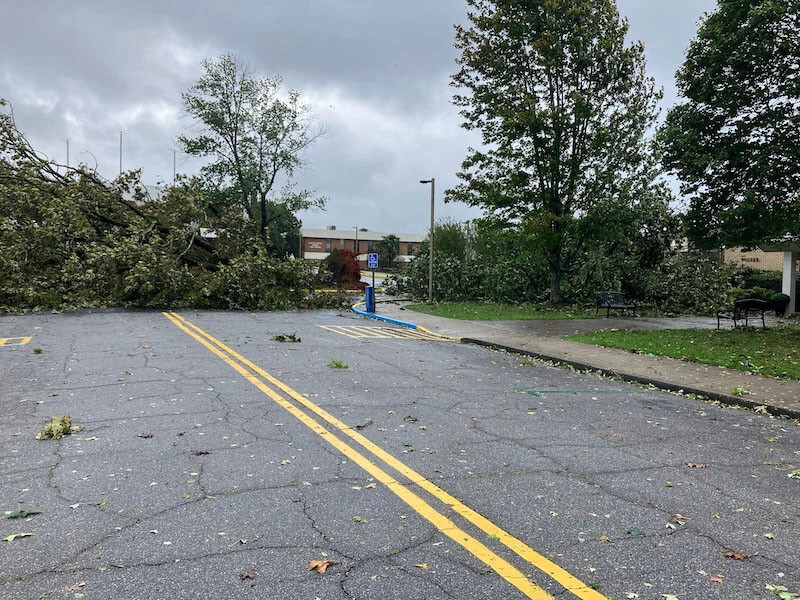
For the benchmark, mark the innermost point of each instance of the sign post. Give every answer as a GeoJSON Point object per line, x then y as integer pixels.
{"type": "Point", "coordinates": [372, 263]}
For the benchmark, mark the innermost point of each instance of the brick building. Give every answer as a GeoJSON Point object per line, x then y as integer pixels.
{"type": "Point", "coordinates": [755, 258]}
{"type": "Point", "coordinates": [316, 244]}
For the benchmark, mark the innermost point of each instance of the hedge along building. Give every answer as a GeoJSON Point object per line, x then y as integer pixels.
{"type": "Point", "coordinates": [317, 244]}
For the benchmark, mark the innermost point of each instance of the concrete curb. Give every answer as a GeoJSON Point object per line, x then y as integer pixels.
{"type": "Point", "coordinates": [724, 398]}
{"type": "Point", "coordinates": [364, 313]}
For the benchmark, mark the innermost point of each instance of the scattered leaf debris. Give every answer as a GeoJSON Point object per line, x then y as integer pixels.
{"type": "Point", "coordinates": [13, 536]}
{"type": "Point", "coordinates": [635, 532]}
{"type": "Point", "coordinates": [21, 514]}
{"type": "Point", "coordinates": [737, 555]}
{"type": "Point", "coordinates": [695, 465]}
{"type": "Point", "coordinates": [320, 566]}
{"type": "Point", "coordinates": [200, 452]}
{"type": "Point", "coordinates": [58, 427]}
{"type": "Point", "coordinates": [423, 566]}
{"type": "Point", "coordinates": [249, 574]}
{"type": "Point", "coordinates": [287, 337]}
{"type": "Point", "coordinates": [681, 517]}
{"type": "Point", "coordinates": [144, 435]}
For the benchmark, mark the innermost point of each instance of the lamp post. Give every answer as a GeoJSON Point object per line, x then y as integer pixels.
{"type": "Point", "coordinates": [432, 181]}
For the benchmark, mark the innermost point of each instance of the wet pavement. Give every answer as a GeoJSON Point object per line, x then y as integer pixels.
{"type": "Point", "coordinates": [205, 456]}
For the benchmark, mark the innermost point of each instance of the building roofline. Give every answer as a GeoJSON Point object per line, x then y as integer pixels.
{"type": "Point", "coordinates": [345, 234]}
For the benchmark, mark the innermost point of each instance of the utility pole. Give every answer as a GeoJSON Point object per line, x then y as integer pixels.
{"type": "Point", "coordinates": [120, 153]}
{"type": "Point", "coordinates": [432, 181]}
{"type": "Point", "coordinates": [355, 245]}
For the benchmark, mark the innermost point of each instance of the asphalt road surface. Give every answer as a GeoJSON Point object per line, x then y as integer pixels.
{"type": "Point", "coordinates": [216, 462]}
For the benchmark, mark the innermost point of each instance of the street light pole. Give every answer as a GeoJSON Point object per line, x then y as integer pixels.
{"type": "Point", "coordinates": [432, 181]}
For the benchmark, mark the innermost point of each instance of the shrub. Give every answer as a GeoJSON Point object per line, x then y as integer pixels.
{"type": "Point", "coordinates": [688, 282]}
{"type": "Point", "coordinates": [748, 278]}
{"type": "Point", "coordinates": [453, 278]}
{"type": "Point", "coordinates": [779, 303]}
{"type": "Point", "coordinates": [341, 268]}
{"type": "Point", "coordinates": [757, 293]}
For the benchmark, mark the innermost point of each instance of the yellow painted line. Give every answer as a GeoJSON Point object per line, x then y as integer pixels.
{"type": "Point", "coordinates": [416, 335]}
{"type": "Point", "coordinates": [354, 332]}
{"type": "Point", "coordinates": [563, 577]}
{"type": "Point", "coordinates": [447, 337]}
{"type": "Point", "coordinates": [356, 337]}
{"type": "Point", "coordinates": [22, 341]}
{"type": "Point", "coordinates": [394, 333]}
{"type": "Point", "coordinates": [502, 567]}
{"type": "Point", "coordinates": [367, 331]}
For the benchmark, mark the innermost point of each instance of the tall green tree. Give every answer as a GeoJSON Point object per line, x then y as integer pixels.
{"type": "Point", "coordinates": [734, 141]}
{"type": "Point", "coordinates": [563, 104]}
{"type": "Point", "coordinates": [389, 249]}
{"type": "Point", "coordinates": [256, 140]}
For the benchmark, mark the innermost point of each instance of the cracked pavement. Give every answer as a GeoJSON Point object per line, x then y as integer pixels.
{"type": "Point", "coordinates": [588, 471]}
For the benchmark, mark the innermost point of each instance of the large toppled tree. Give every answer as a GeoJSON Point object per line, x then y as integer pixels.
{"type": "Point", "coordinates": [563, 105]}
{"type": "Point", "coordinates": [734, 142]}
{"type": "Point", "coordinates": [256, 140]}
{"type": "Point", "coordinates": [69, 238]}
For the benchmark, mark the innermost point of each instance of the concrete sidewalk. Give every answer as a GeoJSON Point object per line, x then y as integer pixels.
{"type": "Point", "coordinates": [544, 339]}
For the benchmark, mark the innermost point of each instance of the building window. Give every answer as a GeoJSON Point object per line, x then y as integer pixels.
{"type": "Point", "coordinates": [370, 246]}
{"type": "Point", "coordinates": [328, 245]}
{"type": "Point", "coordinates": [410, 248]}
{"type": "Point", "coordinates": [341, 243]}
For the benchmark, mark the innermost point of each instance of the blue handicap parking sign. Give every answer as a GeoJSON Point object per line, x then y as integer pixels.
{"type": "Point", "coordinates": [372, 260]}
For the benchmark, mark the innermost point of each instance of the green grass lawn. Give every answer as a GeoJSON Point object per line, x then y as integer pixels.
{"type": "Point", "coordinates": [487, 311]}
{"type": "Point", "coordinates": [774, 351]}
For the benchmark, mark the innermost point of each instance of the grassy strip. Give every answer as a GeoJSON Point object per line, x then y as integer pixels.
{"type": "Point", "coordinates": [774, 351]}
{"type": "Point", "coordinates": [488, 311]}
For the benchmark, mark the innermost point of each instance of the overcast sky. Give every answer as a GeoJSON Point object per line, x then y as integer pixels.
{"type": "Point", "coordinates": [376, 72]}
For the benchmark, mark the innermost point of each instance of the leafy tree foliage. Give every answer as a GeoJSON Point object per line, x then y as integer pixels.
{"type": "Point", "coordinates": [68, 238]}
{"type": "Point", "coordinates": [256, 140]}
{"type": "Point", "coordinates": [734, 141]}
{"type": "Point", "coordinates": [563, 105]}
{"type": "Point", "coordinates": [451, 239]}
{"type": "Point", "coordinates": [341, 268]}
{"type": "Point", "coordinates": [388, 250]}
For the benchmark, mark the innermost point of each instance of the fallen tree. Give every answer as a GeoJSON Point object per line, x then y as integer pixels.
{"type": "Point", "coordinates": [70, 238]}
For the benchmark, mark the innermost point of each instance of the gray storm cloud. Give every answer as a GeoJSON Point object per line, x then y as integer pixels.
{"type": "Point", "coordinates": [376, 72]}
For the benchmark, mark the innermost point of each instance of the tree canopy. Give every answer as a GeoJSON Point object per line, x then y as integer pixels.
{"type": "Point", "coordinates": [388, 250]}
{"type": "Point", "coordinates": [734, 141]}
{"type": "Point", "coordinates": [256, 139]}
{"type": "Point", "coordinates": [563, 104]}
{"type": "Point", "coordinates": [69, 238]}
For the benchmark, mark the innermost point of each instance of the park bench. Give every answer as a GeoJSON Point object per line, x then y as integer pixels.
{"type": "Point", "coordinates": [744, 310]}
{"type": "Point", "coordinates": [615, 300]}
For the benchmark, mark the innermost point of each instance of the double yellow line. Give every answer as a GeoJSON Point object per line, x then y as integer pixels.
{"type": "Point", "coordinates": [259, 378]}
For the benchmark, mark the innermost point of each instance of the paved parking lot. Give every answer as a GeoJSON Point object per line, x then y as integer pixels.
{"type": "Point", "coordinates": [216, 462]}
